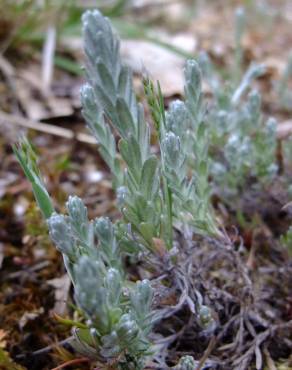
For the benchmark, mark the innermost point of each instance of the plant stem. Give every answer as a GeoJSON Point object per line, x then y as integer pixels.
{"type": "Point", "coordinates": [72, 362]}
{"type": "Point", "coordinates": [168, 201]}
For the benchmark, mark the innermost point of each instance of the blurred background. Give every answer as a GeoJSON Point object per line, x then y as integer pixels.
{"type": "Point", "coordinates": [41, 74]}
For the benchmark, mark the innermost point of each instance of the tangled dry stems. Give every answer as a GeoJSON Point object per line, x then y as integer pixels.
{"type": "Point", "coordinates": [251, 307]}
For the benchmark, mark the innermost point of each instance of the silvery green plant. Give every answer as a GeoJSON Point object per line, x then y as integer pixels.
{"type": "Point", "coordinates": [249, 145]}
{"type": "Point", "coordinates": [186, 363]}
{"type": "Point", "coordinates": [145, 188]}
{"type": "Point", "coordinates": [242, 144]}
{"type": "Point", "coordinates": [117, 311]}
{"type": "Point", "coordinates": [109, 94]}
{"type": "Point", "coordinates": [27, 159]}
{"type": "Point", "coordinates": [184, 150]}
{"type": "Point", "coordinates": [154, 193]}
